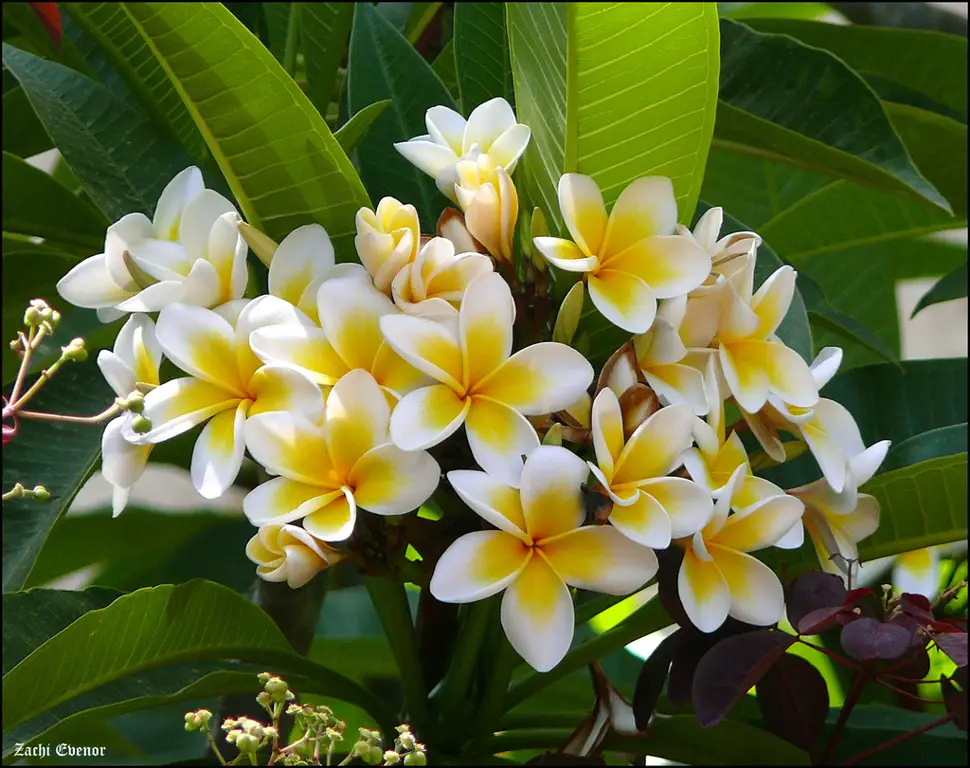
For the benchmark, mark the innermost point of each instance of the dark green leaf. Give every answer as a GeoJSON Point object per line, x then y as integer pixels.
{"type": "Point", "coordinates": [58, 456]}
{"type": "Point", "coordinates": [324, 31]}
{"type": "Point", "coordinates": [23, 134]}
{"type": "Point", "coordinates": [949, 287]}
{"type": "Point", "coordinates": [785, 101]}
{"type": "Point", "coordinates": [771, 10]}
{"type": "Point", "coordinates": [121, 160]}
{"type": "Point", "coordinates": [277, 16]}
{"type": "Point", "coordinates": [481, 48]}
{"type": "Point", "coordinates": [943, 441]}
{"type": "Point", "coordinates": [357, 127]}
{"type": "Point", "coordinates": [384, 65]}
{"type": "Point", "coordinates": [904, 15]}
{"type": "Point", "coordinates": [445, 67]}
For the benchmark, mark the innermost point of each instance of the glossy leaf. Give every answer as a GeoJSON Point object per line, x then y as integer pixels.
{"type": "Point", "coordinates": [811, 592]}
{"type": "Point", "coordinates": [481, 47]}
{"type": "Point", "coordinates": [23, 134]}
{"type": "Point", "coordinates": [58, 456]}
{"type": "Point", "coordinates": [324, 32]}
{"type": "Point", "coordinates": [606, 118]}
{"type": "Point", "coordinates": [276, 152]}
{"type": "Point", "coordinates": [800, 114]}
{"type": "Point", "coordinates": [38, 206]}
{"type": "Point", "coordinates": [794, 701]}
{"type": "Point", "coordinates": [446, 68]}
{"type": "Point", "coordinates": [949, 287]}
{"type": "Point", "coordinates": [122, 161]}
{"type": "Point", "coordinates": [384, 65]}
{"type": "Point", "coordinates": [867, 638]}
{"type": "Point", "coordinates": [943, 441]}
{"type": "Point", "coordinates": [356, 128]}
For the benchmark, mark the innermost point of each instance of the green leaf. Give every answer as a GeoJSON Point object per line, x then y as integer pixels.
{"type": "Point", "coordinates": [930, 63]}
{"type": "Point", "coordinates": [949, 287]}
{"type": "Point", "coordinates": [445, 67]}
{"type": "Point", "coordinates": [580, 84]}
{"type": "Point", "coordinates": [37, 205]}
{"type": "Point", "coordinates": [481, 48]}
{"type": "Point", "coordinates": [152, 628]}
{"type": "Point", "coordinates": [277, 16]}
{"type": "Point", "coordinates": [384, 65]}
{"type": "Point", "coordinates": [357, 127]}
{"type": "Point", "coordinates": [23, 134]}
{"type": "Point", "coordinates": [58, 456]}
{"type": "Point", "coordinates": [324, 32]}
{"type": "Point", "coordinates": [32, 618]}
{"type": "Point", "coordinates": [120, 158]}
{"type": "Point", "coordinates": [750, 12]}
{"type": "Point", "coordinates": [943, 441]}
{"type": "Point", "coordinates": [421, 15]}
{"type": "Point", "coordinates": [281, 161]}
{"type": "Point", "coordinates": [111, 27]}
{"type": "Point", "coordinates": [813, 113]}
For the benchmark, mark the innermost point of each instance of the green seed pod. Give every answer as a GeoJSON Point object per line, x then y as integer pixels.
{"type": "Point", "coordinates": [373, 756]}
{"type": "Point", "coordinates": [415, 758]}
{"type": "Point", "coordinates": [141, 424]}
{"type": "Point", "coordinates": [135, 402]}
{"type": "Point", "coordinates": [32, 317]}
{"type": "Point", "coordinates": [40, 493]}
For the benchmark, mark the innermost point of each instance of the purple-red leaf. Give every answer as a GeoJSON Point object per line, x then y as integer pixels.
{"type": "Point", "coordinates": [652, 677]}
{"type": "Point", "coordinates": [867, 638]}
{"type": "Point", "coordinates": [794, 701]}
{"type": "Point", "coordinates": [730, 668]}
{"type": "Point", "coordinates": [813, 591]}
{"type": "Point", "coordinates": [954, 645]}
{"type": "Point", "coordinates": [914, 665]}
{"type": "Point", "coordinates": [819, 620]}
{"type": "Point", "coordinates": [917, 606]}
{"type": "Point", "coordinates": [956, 703]}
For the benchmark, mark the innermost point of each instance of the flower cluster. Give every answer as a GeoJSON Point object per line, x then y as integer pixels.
{"type": "Point", "coordinates": [349, 383]}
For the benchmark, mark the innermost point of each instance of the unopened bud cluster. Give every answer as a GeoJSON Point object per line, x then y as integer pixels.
{"type": "Point", "coordinates": [37, 493]}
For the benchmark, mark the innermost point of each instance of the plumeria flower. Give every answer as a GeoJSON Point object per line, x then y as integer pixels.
{"type": "Point", "coordinates": [660, 355]}
{"type": "Point", "coordinates": [327, 471]}
{"type": "Point", "coordinates": [718, 578]}
{"type": "Point", "coordinates": [491, 129]}
{"type": "Point", "coordinates": [349, 309]}
{"type": "Point", "coordinates": [491, 204]}
{"type": "Point", "coordinates": [729, 254]}
{"type": "Point", "coordinates": [918, 572]}
{"type": "Point", "coordinates": [387, 239]}
{"type": "Point", "coordinates": [539, 550]}
{"type": "Point", "coordinates": [648, 507]}
{"type": "Point", "coordinates": [226, 384]}
{"type": "Point", "coordinates": [480, 384]}
{"type": "Point", "coordinates": [836, 522]}
{"type": "Point", "coordinates": [135, 359]}
{"type": "Point", "coordinates": [630, 258]}
{"type": "Point", "coordinates": [289, 553]}
{"type": "Point", "coordinates": [191, 252]}
{"type": "Point", "coordinates": [435, 282]}
{"type": "Point", "coordinates": [827, 428]}
{"type": "Point", "coordinates": [754, 362]}
{"type": "Point", "coordinates": [299, 266]}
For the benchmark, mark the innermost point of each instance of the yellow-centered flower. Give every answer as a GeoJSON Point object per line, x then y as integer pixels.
{"type": "Point", "coordinates": [289, 553]}
{"type": "Point", "coordinates": [491, 204]}
{"type": "Point", "coordinates": [387, 239]}
{"type": "Point", "coordinates": [434, 283]}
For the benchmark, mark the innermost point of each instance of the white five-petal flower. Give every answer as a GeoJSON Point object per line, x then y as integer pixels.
{"type": "Point", "coordinates": [539, 550]}
{"type": "Point", "coordinates": [289, 553]}
{"type": "Point", "coordinates": [434, 283]}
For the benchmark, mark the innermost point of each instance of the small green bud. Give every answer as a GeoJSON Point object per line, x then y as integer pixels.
{"type": "Point", "coordinates": [263, 677]}
{"type": "Point", "coordinates": [391, 757]}
{"type": "Point", "coordinates": [228, 723]}
{"type": "Point", "coordinates": [373, 756]}
{"type": "Point", "coordinates": [246, 743]}
{"type": "Point", "coordinates": [40, 493]}
{"type": "Point", "coordinates": [415, 758]}
{"type": "Point", "coordinates": [204, 715]}
{"type": "Point", "coordinates": [141, 424]}
{"type": "Point", "coordinates": [32, 317]}
{"type": "Point", "coordinates": [55, 318]}
{"type": "Point", "coordinates": [46, 314]}
{"type": "Point", "coordinates": [192, 722]}
{"type": "Point", "coordinates": [264, 698]}
{"type": "Point", "coordinates": [135, 402]}
{"type": "Point", "coordinates": [39, 304]}
{"type": "Point", "coordinates": [16, 345]}
{"type": "Point", "coordinates": [75, 351]}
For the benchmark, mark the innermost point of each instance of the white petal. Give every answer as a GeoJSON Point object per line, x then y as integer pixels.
{"type": "Point", "coordinates": [703, 592]}
{"type": "Point", "coordinates": [826, 365]}
{"type": "Point", "coordinates": [279, 388]}
{"type": "Point", "coordinates": [537, 615]}
{"type": "Point", "coordinates": [304, 255]}
{"type": "Point", "coordinates": [291, 445]}
{"type": "Point", "coordinates": [121, 462]}
{"type": "Point", "coordinates": [218, 453]}
{"type": "Point", "coordinates": [552, 501]}
{"type": "Point", "coordinates": [508, 148]}
{"type": "Point", "coordinates": [492, 500]}
{"type": "Point", "coordinates": [499, 436]}
{"type": "Point", "coordinates": [478, 565]}
{"type": "Point", "coordinates": [389, 481]}
{"type": "Point", "coordinates": [89, 285]}
{"type": "Point", "coordinates": [794, 538]}
{"type": "Point", "coordinates": [446, 127]}
{"type": "Point", "coordinates": [601, 559]}
{"type": "Point", "coordinates": [918, 572]}
{"type": "Point", "coordinates": [186, 185]}
{"type": "Point", "coordinates": [117, 373]}
{"type": "Point", "coordinates": [426, 155]}
{"type": "Point", "coordinates": [427, 416]}
{"type": "Point", "coordinates": [121, 236]}
{"type": "Point", "coordinates": [137, 345]}
{"type": "Point", "coordinates": [486, 123]}
{"type": "Point", "coordinates": [199, 216]}
{"type": "Point", "coordinates": [201, 343]}
{"type": "Point", "coordinates": [178, 405]}
{"type": "Point", "coordinates": [688, 506]}
{"type": "Point", "coordinates": [756, 594]}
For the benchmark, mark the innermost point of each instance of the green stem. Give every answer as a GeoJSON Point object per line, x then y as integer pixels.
{"type": "Point", "coordinates": [594, 606]}
{"type": "Point", "coordinates": [463, 663]}
{"type": "Point", "coordinates": [391, 603]}
{"type": "Point", "coordinates": [292, 35]}
{"type": "Point", "coordinates": [646, 619]}
{"type": "Point", "coordinates": [496, 689]}
{"type": "Point", "coordinates": [537, 738]}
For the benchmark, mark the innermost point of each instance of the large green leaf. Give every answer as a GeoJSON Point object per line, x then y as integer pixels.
{"type": "Point", "coordinates": [23, 134]}
{"type": "Point", "coordinates": [813, 112]}
{"type": "Point", "coordinates": [615, 92]}
{"type": "Point", "coordinates": [356, 128]}
{"type": "Point", "coordinates": [324, 30]}
{"type": "Point", "coordinates": [481, 48]}
{"type": "Point", "coordinates": [942, 441]}
{"type": "Point", "coordinates": [122, 161]}
{"type": "Point", "coordinates": [384, 65]}
{"type": "Point", "coordinates": [952, 285]}
{"type": "Point", "coordinates": [111, 27]}
{"type": "Point", "coordinates": [58, 456]}
{"type": "Point", "coordinates": [38, 206]}
{"type": "Point", "coordinates": [153, 628]}
{"type": "Point", "coordinates": [445, 67]}
{"type": "Point", "coordinates": [931, 63]}
{"type": "Point", "coordinates": [275, 150]}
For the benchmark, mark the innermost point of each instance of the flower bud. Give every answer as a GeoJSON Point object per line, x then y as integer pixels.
{"type": "Point", "coordinates": [135, 402]}
{"type": "Point", "coordinates": [141, 424]}
{"type": "Point", "coordinates": [192, 722]}
{"type": "Point", "coordinates": [373, 756]}
{"type": "Point", "coordinates": [246, 743]}
{"type": "Point", "coordinates": [262, 245]}
{"type": "Point", "coordinates": [32, 317]}
{"type": "Point", "coordinates": [40, 493]}
{"type": "Point", "coordinates": [55, 318]}
{"type": "Point", "coordinates": [264, 698]}
{"type": "Point", "coordinates": [391, 757]}
{"type": "Point", "coordinates": [264, 677]}
{"type": "Point", "coordinates": [415, 758]}
{"type": "Point", "coordinates": [75, 351]}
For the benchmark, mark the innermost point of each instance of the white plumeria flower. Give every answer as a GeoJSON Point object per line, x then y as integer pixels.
{"type": "Point", "coordinates": [718, 578]}
{"type": "Point", "coordinates": [918, 572]}
{"type": "Point", "coordinates": [648, 507]}
{"type": "Point", "coordinates": [754, 362]}
{"type": "Point", "coordinates": [630, 258]}
{"type": "Point", "coordinates": [289, 553]}
{"type": "Point", "coordinates": [828, 429]}
{"type": "Point", "coordinates": [481, 385]}
{"type": "Point", "coordinates": [435, 282]}
{"type": "Point", "coordinates": [135, 359]}
{"type": "Point", "coordinates": [491, 204]}
{"type": "Point", "coordinates": [387, 239]}
{"type": "Point", "coordinates": [226, 384]}
{"type": "Point", "coordinates": [349, 309]}
{"type": "Point", "coordinates": [660, 354]}
{"type": "Point", "coordinates": [192, 252]}
{"type": "Point", "coordinates": [729, 254]}
{"type": "Point", "coordinates": [540, 549]}
{"type": "Point", "coordinates": [327, 471]}
{"type": "Point", "coordinates": [299, 266]}
{"type": "Point", "coordinates": [491, 129]}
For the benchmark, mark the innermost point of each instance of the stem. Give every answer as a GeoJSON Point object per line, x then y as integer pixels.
{"type": "Point", "coordinates": [497, 687]}
{"type": "Point", "coordinates": [831, 654]}
{"type": "Point", "coordinates": [901, 692]}
{"type": "Point", "coordinates": [44, 377]}
{"type": "Point", "coordinates": [105, 414]}
{"type": "Point", "coordinates": [851, 698]}
{"type": "Point", "coordinates": [391, 603]}
{"type": "Point", "coordinates": [899, 739]}
{"type": "Point", "coordinates": [292, 35]}
{"type": "Point", "coordinates": [24, 363]}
